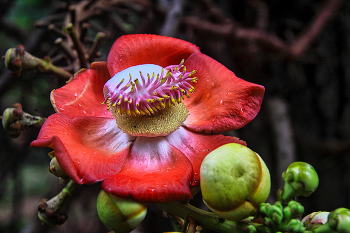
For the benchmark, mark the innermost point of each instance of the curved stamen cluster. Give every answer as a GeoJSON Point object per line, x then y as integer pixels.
{"type": "Point", "coordinates": [153, 93]}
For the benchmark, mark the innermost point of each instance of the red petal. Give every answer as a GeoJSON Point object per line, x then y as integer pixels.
{"type": "Point", "coordinates": [88, 149]}
{"type": "Point", "coordinates": [221, 101]}
{"type": "Point", "coordinates": [131, 50]}
{"type": "Point", "coordinates": [196, 146]}
{"type": "Point", "coordinates": [84, 94]}
{"type": "Point", "coordinates": [155, 171]}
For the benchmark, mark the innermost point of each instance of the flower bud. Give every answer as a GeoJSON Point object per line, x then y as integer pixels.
{"type": "Point", "coordinates": [13, 57]}
{"type": "Point", "coordinates": [339, 220]}
{"type": "Point", "coordinates": [283, 218]}
{"type": "Point", "coordinates": [8, 122]}
{"type": "Point", "coordinates": [119, 215]}
{"type": "Point", "coordinates": [56, 169]}
{"type": "Point", "coordinates": [14, 120]}
{"type": "Point", "coordinates": [17, 60]}
{"type": "Point", "coordinates": [273, 213]}
{"type": "Point", "coordinates": [315, 219]}
{"type": "Point", "coordinates": [300, 179]}
{"type": "Point", "coordinates": [53, 211]}
{"type": "Point", "coordinates": [234, 181]}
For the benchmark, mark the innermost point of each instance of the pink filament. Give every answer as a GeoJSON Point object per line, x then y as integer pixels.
{"type": "Point", "coordinates": [153, 93]}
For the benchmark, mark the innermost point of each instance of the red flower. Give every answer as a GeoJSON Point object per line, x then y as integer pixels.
{"type": "Point", "coordinates": [158, 167]}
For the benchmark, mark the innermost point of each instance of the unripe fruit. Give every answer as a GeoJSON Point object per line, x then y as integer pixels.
{"type": "Point", "coordinates": [119, 215]}
{"type": "Point", "coordinates": [234, 181]}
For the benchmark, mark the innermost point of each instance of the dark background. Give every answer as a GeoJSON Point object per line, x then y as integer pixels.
{"type": "Point", "coordinates": [298, 49]}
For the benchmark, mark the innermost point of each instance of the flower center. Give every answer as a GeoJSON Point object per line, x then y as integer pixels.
{"type": "Point", "coordinates": [151, 106]}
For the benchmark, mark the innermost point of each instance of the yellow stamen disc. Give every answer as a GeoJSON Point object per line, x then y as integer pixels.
{"type": "Point", "coordinates": [161, 123]}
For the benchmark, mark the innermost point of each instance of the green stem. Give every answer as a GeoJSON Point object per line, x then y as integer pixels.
{"type": "Point", "coordinates": [17, 60]}
{"type": "Point", "coordinates": [47, 66]}
{"type": "Point", "coordinates": [70, 188]}
{"type": "Point", "coordinates": [203, 218]}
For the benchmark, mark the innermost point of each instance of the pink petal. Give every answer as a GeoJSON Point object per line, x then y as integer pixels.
{"type": "Point", "coordinates": [88, 149]}
{"type": "Point", "coordinates": [196, 146]}
{"type": "Point", "coordinates": [84, 94]}
{"type": "Point", "coordinates": [155, 171]}
{"type": "Point", "coordinates": [221, 101]}
{"type": "Point", "coordinates": [131, 50]}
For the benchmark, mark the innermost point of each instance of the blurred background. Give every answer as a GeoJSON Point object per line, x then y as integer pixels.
{"type": "Point", "coordinates": [299, 50]}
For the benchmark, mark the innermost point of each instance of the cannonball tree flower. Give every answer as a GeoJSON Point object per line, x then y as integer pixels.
{"type": "Point", "coordinates": [147, 139]}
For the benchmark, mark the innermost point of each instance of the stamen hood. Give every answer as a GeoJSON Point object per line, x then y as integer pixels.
{"type": "Point", "coordinates": [159, 88]}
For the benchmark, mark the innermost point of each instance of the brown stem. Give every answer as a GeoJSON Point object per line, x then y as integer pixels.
{"type": "Point", "coordinates": [59, 42]}
{"type": "Point", "coordinates": [262, 12]}
{"type": "Point", "coordinates": [294, 49]}
{"type": "Point", "coordinates": [56, 31]}
{"type": "Point", "coordinates": [78, 46]}
{"type": "Point", "coordinates": [316, 26]}
{"type": "Point", "coordinates": [96, 46]}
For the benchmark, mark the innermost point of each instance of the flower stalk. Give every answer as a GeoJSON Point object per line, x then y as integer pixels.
{"type": "Point", "coordinates": [18, 60]}
{"type": "Point", "coordinates": [202, 218]}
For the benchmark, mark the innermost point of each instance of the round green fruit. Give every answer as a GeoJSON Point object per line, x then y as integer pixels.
{"type": "Point", "coordinates": [118, 214]}
{"type": "Point", "coordinates": [234, 181]}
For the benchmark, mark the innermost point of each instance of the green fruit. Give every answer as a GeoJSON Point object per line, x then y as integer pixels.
{"type": "Point", "coordinates": [234, 181]}
{"type": "Point", "coordinates": [119, 215]}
